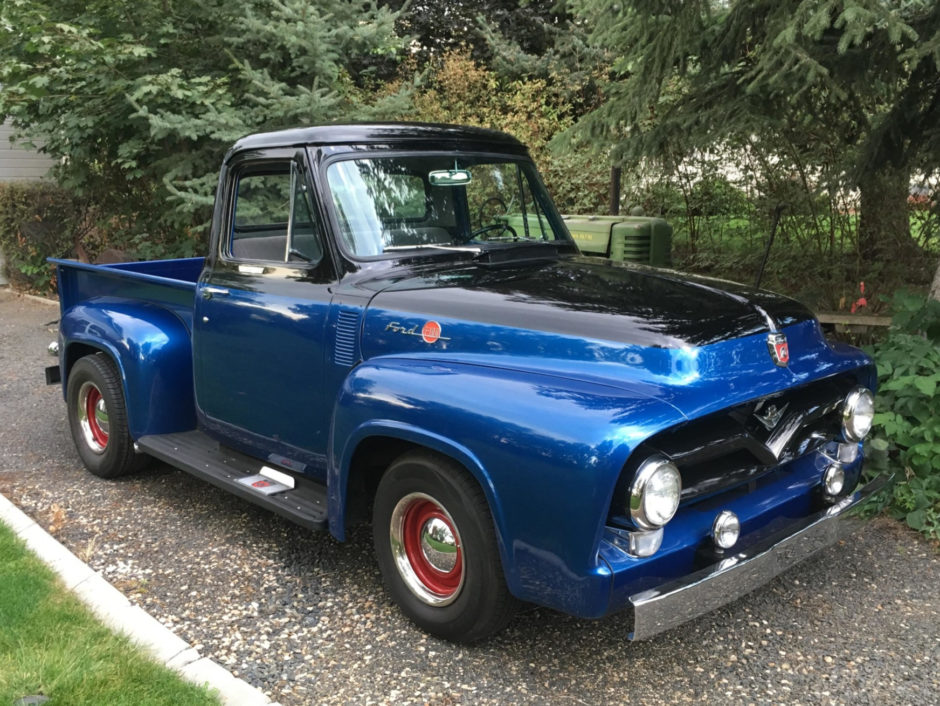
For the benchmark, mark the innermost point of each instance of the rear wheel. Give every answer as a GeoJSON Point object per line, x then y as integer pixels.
{"type": "Point", "coordinates": [436, 547]}
{"type": "Point", "coordinates": [98, 418]}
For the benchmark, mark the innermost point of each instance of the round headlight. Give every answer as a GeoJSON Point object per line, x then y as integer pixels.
{"type": "Point", "coordinates": [834, 479]}
{"type": "Point", "coordinates": [654, 495]}
{"type": "Point", "coordinates": [726, 529]}
{"type": "Point", "coordinates": [858, 412]}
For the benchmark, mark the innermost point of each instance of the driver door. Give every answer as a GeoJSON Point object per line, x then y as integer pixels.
{"type": "Point", "coordinates": [260, 317]}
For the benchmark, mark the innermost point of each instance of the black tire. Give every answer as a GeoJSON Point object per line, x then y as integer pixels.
{"type": "Point", "coordinates": [98, 418]}
{"type": "Point", "coordinates": [421, 488]}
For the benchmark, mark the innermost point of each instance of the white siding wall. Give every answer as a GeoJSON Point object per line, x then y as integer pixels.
{"type": "Point", "coordinates": [19, 164]}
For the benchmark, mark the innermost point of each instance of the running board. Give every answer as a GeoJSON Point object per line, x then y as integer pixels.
{"type": "Point", "coordinates": [203, 457]}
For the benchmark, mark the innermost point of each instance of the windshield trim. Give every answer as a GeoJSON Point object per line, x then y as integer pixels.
{"type": "Point", "coordinates": [357, 152]}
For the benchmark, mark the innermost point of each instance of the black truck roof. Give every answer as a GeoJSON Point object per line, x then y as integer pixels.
{"type": "Point", "coordinates": [361, 133]}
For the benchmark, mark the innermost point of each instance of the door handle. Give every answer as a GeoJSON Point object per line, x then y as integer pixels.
{"type": "Point", "coordinates": [209, 292]}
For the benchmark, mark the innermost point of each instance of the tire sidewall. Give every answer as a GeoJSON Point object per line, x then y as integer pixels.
{"type": "Point", "coordinates": [482, 569]}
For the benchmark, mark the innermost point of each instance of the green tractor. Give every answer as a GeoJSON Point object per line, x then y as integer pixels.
{"type": "Point", "coordinates": [639, 239]}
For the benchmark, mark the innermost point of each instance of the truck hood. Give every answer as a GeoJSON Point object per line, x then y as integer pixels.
{"type": "Point", "coordinates": [595, 321]}
{"type": "Point", "coordinates": [584, 298]}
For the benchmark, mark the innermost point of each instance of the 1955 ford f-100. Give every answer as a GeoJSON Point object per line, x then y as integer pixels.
{"type": "Point", "coordinates": [393, 322]}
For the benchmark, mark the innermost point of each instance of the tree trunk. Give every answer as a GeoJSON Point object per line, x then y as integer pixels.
{"type": "Point", "coordinates": [884, 229]}
{"type": "Point", "coordinates": [935, 287]}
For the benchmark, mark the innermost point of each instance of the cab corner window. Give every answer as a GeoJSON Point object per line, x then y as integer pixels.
{"type": "Point", "coordinates": [272, 220]}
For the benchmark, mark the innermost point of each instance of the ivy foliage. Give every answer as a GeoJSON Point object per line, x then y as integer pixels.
{"type": "Point", "coordinates": [909, 390]}
{"type": "Point", "coordinates": [141, 100]}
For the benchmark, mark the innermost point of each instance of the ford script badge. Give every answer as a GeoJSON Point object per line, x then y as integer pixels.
{"type": "Point", "coordinates": [430, 332]}
{"type": "Point", "coordinates": [779, 350]}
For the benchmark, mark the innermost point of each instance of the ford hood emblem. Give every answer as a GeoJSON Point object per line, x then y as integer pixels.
{"type": "Point", "coordinates": [779, 349]}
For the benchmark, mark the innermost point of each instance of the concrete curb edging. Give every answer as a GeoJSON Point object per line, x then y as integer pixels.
{"type": "Point", "coordinates": [31, 297]}
{"type": "Point", "coordinates": [114, 609]}
{"type": "Point", "coordinates": [40, 300]}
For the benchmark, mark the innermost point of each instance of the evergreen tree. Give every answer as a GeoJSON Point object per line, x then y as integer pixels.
{"type": "Point", "coordinates": [861, 77]}
{"type": "Point", "coordinates": [140, 100]}
{"type": "Point", "coordinates": [439, 27]}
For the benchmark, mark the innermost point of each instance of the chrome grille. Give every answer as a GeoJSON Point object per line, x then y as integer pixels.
{"type": "Point", "coordinates": [741, 444]}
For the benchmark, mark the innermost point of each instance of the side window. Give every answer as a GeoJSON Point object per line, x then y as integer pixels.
{"type": "Point", "coordinates": [272, 219]}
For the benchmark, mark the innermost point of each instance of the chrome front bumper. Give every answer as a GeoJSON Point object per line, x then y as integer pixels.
{"type": "Point", "coordinates": [679, 601]}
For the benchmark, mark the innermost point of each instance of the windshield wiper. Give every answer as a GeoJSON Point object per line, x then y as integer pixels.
{"type": "Point", "coordinates": [521, 251]}
{"type": "Point", "coordinates": [425, 246]}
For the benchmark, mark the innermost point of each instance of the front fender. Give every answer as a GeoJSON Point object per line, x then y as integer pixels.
{"type": "Point", "coordinates": [547, 452]}
{"type": "Point", "coordinates": [151, 348]}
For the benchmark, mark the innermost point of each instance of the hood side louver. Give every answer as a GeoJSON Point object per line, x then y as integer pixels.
{"type": "Point", "coordinates": [346, 349]}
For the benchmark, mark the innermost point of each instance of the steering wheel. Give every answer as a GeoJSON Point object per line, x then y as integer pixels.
{"type": "Point", "coordinates": [481, 212]}
{"type": "Point", "coordinates": [501, 227]}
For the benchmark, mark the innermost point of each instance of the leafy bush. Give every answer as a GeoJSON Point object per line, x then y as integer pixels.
{"type": "Point", "coordinates": [37, 220]}
{"type": "Point", "coordinates": [459, 90]}
{"type": "Point", "coordinates": [909, 388]}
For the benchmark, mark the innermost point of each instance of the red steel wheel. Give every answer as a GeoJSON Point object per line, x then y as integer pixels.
{"type": "Point", "coordinates": [98, 417]}
{"type": "Point", "coordinates": [426, 546]}
{"type": "Point", "coordinates": [435, 543]}
{"type": "Point", "coordinates": [93, 417]}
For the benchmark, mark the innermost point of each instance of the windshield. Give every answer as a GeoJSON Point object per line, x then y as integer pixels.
{"type": "Point", "coordinates": [437, 201]}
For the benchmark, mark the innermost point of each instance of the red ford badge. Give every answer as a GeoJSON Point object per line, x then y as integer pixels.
{"type": "Point", "coordinates": [431, 332]}
{"type": "Point", "coordinates": [779, 349]}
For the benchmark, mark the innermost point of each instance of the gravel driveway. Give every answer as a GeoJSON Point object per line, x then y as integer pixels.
{"type": "Point", "coordinates": [305, 619]}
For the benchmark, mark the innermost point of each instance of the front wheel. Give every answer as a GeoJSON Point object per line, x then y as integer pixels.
{"type": "Point", "coordinates": [98, 418]}
{"type": "Point", "coordinates": [436, 547]}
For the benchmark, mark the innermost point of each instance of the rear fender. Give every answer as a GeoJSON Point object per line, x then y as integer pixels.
{"type": "Point", "coordinates": [152, 350]}
{"type": "Point", "coordinates": [546, 451]}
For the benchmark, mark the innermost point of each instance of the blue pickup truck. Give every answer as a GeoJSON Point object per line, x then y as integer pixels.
{"type": "Point", "coordinates": [393, 325]}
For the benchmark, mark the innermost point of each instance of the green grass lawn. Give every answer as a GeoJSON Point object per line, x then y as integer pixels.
{"type": "Point", "coordinates": [50, 644]}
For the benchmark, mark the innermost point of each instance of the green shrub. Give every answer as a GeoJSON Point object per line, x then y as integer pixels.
{"type": "Point", "coordinates": [459, 90]}
{"type": "Point", "coordinates": [909, 389]}
{"type": "Point", "coordinates": [37, 220]}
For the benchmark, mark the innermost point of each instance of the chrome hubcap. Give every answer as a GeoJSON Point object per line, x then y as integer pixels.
{"type": "Point", "coordinates": [439, 545]}
{"type": "Point", "coordinates": [101, 416]}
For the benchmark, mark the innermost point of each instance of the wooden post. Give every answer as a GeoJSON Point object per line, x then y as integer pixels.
{"type": "Point", "coordinates": [615, 191]}
{"type": "Point", "coordinates": [935, 287]}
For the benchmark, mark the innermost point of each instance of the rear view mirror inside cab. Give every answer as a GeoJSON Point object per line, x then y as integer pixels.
{"type": "Point", "coordinates": [450, 177]}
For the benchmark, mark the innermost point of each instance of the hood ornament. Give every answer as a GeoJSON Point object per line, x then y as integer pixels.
{"type": "Point", "coordinates": [771, 416]}
{"type": "Point", "coordinates": [779, 349]}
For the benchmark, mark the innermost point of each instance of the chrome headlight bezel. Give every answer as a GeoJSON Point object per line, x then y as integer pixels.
{"type": "Point", "coordinates": [858, 412]}
{"type": "Point", "coordinates": [654, 474]}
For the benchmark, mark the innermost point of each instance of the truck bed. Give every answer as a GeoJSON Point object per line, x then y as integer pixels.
{"type": "Point", "coordinates": [167, 283]}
